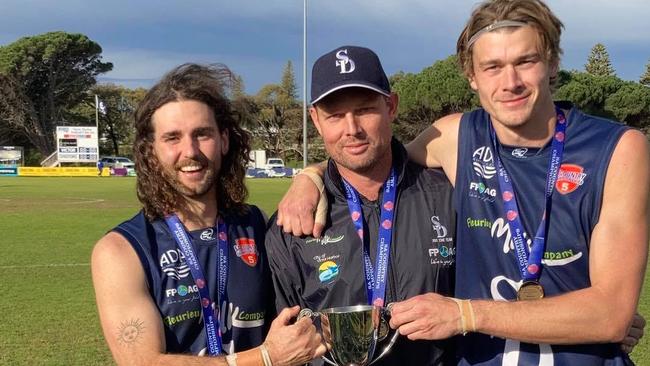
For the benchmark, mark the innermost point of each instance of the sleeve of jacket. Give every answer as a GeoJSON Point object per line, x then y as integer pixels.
{"type": "Point", "coordinates": [283, 268]}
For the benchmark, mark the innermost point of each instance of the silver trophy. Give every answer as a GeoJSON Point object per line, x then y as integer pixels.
{"type": "Point", "coordinates": [353, 332]}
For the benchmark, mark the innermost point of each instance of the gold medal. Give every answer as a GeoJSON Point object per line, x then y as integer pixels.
{"type": "Point", "coordinates": [530, 290]}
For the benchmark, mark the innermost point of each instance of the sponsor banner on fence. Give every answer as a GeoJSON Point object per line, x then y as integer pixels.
{"type": "Point", "coordinates": [61, 172]}
{"type": "Point", "coordinates": [270, 173]}
{"type": "Point", "coordinates": [8, 171]}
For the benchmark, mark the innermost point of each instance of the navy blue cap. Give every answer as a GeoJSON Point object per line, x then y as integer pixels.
{"type": "Point", "coordinates": [345, 67]}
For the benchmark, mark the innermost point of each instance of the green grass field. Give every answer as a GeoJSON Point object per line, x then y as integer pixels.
{"type": "Point", "coordinates": [47, 229]}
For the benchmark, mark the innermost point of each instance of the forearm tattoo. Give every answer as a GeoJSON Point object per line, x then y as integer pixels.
{"type": "Point", "coordinates": [130, 332]}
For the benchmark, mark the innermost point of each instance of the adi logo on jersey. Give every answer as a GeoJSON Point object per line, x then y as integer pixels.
{"type": "Point", "coordinates": [569, 178]}
{"type": "Point", "coordinates": [246, 250]}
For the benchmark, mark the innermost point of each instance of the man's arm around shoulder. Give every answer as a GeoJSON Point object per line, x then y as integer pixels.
{"type": "Point", "coordinates": [437, 145]}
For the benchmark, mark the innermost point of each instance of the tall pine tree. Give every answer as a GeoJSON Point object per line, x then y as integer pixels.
{"type": "Point", "coordinates": [645, 78]}
{"type": "Point", "coordinates": [598, 62]}
{"type": "Point", "coordinates": [288, 89]}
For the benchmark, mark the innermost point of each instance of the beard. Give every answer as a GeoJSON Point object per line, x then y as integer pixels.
{"type": "Point", "coordinates": [196, 189]}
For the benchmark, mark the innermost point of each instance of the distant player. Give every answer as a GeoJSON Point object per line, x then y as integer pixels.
{"type": "Point", "coordinates": [100, 167]}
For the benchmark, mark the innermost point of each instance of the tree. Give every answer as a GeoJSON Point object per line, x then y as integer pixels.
{"type": "Point", "coordinates": [436, 91]}
{"type": "Point", "coordinates": [589, 92]}
{"type": "Point", "coordinates": [15, 111]}
{"type": "Point", "coordinates": [237, 89]}
{"type": "Point", "coordinates": [278, 121]}
{"type": "Point", "coordinates": [598, 62]}
{"type": "Point", "coordinates": [116, 125]}
{"type": "Point", "coordinates": [608, 97]}
{"type": "Point", "coordinates": [288, 90]}
{"type": "Point", "coordinates": [274, 117]}
{"type": "Point", "coordinates": [631, 105]}
{"type": "Point", "coordinates": [645, 78]}
{"type": "Point", "coordinates": [52, 74]}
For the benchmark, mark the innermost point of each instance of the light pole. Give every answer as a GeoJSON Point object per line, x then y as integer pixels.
{"type": "Point", "coordinates": [304, 83]}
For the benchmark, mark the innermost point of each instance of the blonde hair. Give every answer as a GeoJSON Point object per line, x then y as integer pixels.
{"type": "Point", "coordinates": [531, 12]}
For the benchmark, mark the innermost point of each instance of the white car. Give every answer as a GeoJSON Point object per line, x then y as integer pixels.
{"type": "Point", "coordinates": [274, 163]}
{"type": "Point", "coordinates": [117, 162]}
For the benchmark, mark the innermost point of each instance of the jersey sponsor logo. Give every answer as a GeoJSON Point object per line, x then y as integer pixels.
{"type": "Point", "coordinates": [250, 316]}
{"type": "Point", "coordinates": [324, 257]}
{"type": "Point", "coordinates": [482, 192]}
{"type": "Point", "coordinates": [207, 235]}
{"type": "Point", "coordinates": [483, 162]}
{"type": "Point", "coordinates": [474, 223]}
{"type": "Point", "coordinates": [232, 316]}
{"type": "Point", "coordinates": [440, 229]}
{"type": "Point", "coordinates": [181, 290]}
{"type": "Point", "coordinates": [328, 271]}
{"type": "Point", "coordinates": [569, 178]}
{"type": "Point", "coordinates": [560, 258]}
{"type": "Point", "coordinates": [501, 229]}
{"type": "Point", "coordinates": [519, 152]}
{"type": "Point", "coordinates": [344, 62]}
{"type": "Point", "coordinates": [172, 320]}
{"type": "Point", "coordinates": [172, 263]}
{"type": "Point", "coordinates": [442, 251]}
{"type": "Point", "coordinates": [442, 255]}
{"type": "Point", "coordinates": [326, 239]}
{"type": "Point", "coordinates": [246, 250]}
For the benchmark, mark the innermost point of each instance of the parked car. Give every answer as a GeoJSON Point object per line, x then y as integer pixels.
{"type": "Point", "coordinates": [274, 163]}
{"type": "Point", "coordinates": [117, 162]}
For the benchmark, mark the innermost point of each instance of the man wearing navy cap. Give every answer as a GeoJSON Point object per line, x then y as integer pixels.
{"type": "Point", "coordinates": [389, 232]}
{"type": "Point", "coordinates": [553, 204]}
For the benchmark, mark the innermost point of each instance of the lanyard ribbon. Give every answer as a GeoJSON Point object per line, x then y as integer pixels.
{"type": "Point", "coordinates": [211, 318]}
{"type": "Point", "coordinates": [530, 262]}
{"type": "Point", "coordinates": [375, 279]}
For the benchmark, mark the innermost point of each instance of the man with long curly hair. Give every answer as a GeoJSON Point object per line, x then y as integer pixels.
{"type": "Point", "coordinates": [189, 273]}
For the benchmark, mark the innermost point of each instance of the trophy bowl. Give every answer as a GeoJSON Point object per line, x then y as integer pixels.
{"type": "Point", "coordinates": [353, 332]}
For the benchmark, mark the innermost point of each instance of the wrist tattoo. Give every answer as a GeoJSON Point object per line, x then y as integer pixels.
{"type": "Point", "coordinates": [130, 332]}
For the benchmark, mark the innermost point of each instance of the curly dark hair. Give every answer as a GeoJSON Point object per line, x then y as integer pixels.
{"type": "Point", "coordinates": [202, 83]}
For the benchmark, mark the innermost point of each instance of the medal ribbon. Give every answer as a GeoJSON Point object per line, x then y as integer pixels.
{"type": "Point", "coordinates": [375, 279]}
{"type": "Point", "coordinates": [210, 318]}
{"type": "Point", "coordinates": [530, 264]}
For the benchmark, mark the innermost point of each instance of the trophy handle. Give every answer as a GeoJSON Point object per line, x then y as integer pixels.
{"type": "Point", "coordinates": [308, 313]}
{"type": "Point", "coordinates": [386, 313]}
{"type": "Point", "coordinates": [387, 348]}
{"type": "Point", "coordinates": [327, 360]}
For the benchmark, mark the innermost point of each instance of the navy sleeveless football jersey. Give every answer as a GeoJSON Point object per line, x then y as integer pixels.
{"type": "Point", "coordinates": [245, 319]}
{"type": "Point", "coordinates": [487, 266]}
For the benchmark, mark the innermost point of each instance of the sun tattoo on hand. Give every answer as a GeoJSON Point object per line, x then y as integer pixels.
{"type": "Point", "coordinates": [130, 332]}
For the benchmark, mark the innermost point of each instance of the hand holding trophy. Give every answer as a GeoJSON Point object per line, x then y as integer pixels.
{"type": "Point", "coordinates": [352, 333]}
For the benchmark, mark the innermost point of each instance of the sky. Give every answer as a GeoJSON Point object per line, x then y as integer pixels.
{"type": "Point", "coordinates": [256, 38]}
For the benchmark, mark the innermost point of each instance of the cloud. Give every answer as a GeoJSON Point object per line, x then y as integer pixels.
{"type": "Point", "coordinates": [256, 37]}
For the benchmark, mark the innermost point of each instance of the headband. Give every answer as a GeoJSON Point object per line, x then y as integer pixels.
{"type": "Point", "coordinates": [494, 26]}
